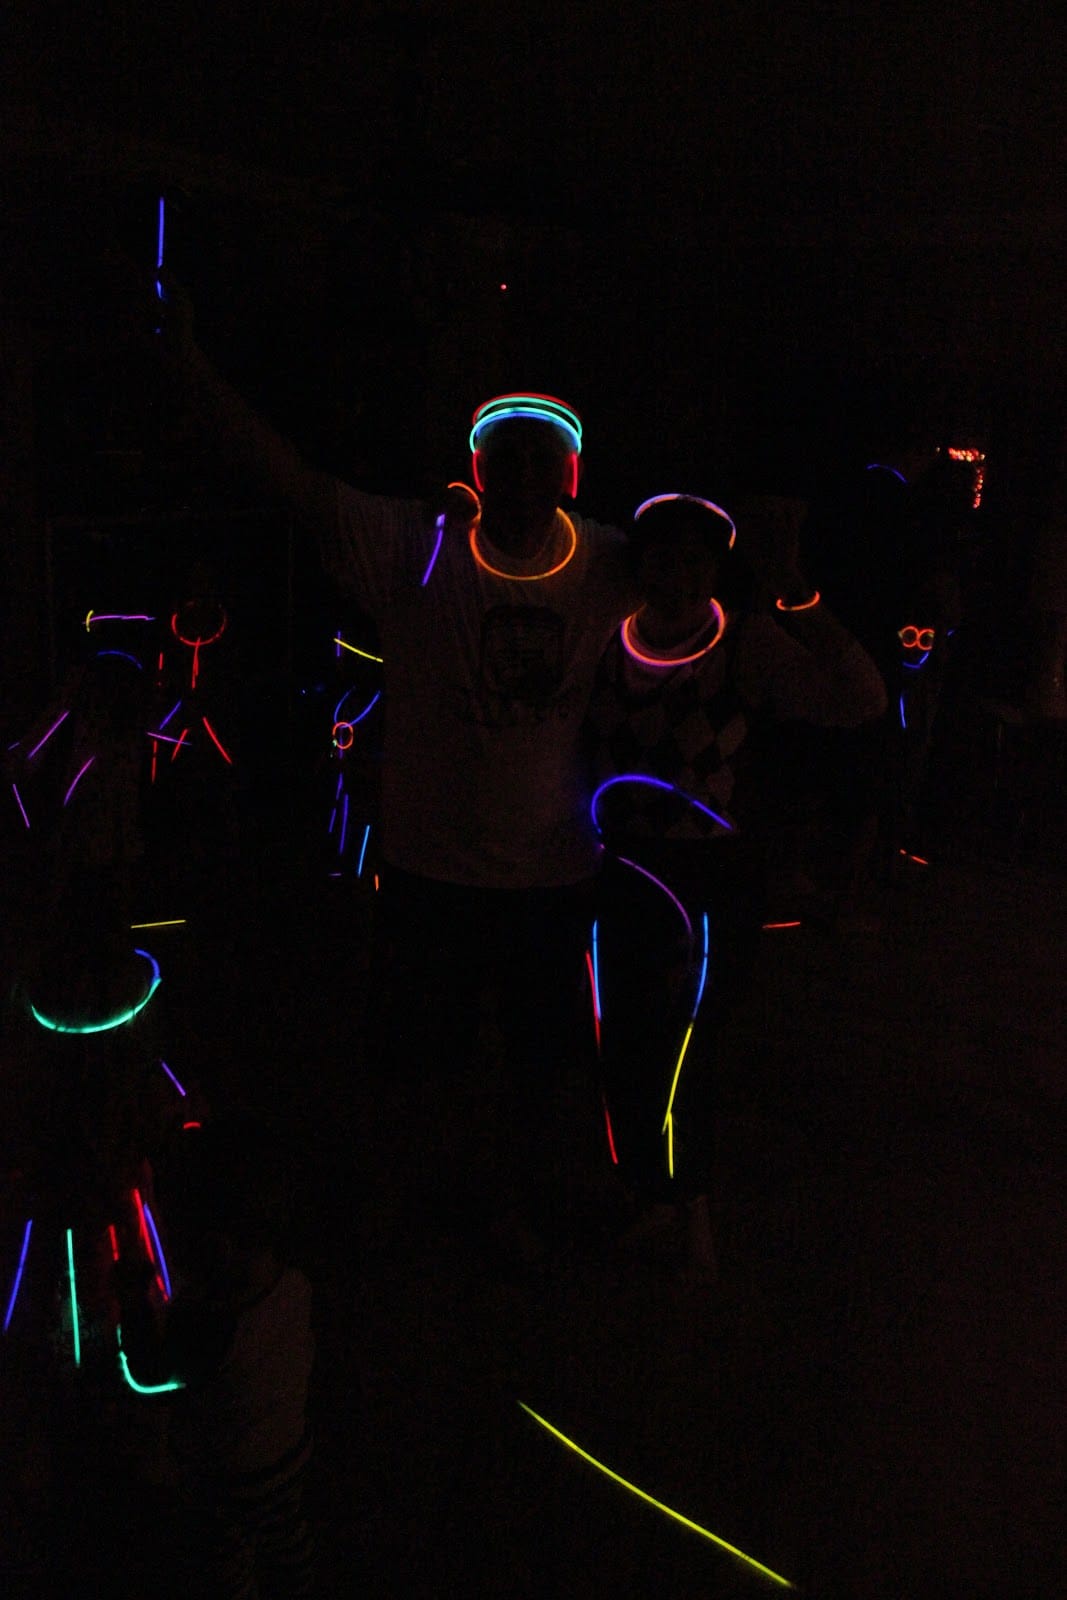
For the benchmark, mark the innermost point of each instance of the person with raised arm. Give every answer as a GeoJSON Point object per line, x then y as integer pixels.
{"type": "Point", "coordinates": [493, 609]}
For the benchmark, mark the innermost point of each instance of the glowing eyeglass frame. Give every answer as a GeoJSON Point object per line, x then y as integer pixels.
{"type": "Point", "coordinates": [112, 1022]}
{"type": "Point", "coordinates": [693, 499]}
{"type": "Point", "coordinates": [641, 1494]}
{"type": "Point", "coordinates": [917, 637]}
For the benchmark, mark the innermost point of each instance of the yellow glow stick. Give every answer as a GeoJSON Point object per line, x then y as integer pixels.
{"type": "Point", "coordinates": [175, 922]}
{"type": "Point", "coordinates": [677, 1075]}
{"type": "Point", "coordinates": [640, 1493]}
{"type": "Point", "coordinates": [364, 653]}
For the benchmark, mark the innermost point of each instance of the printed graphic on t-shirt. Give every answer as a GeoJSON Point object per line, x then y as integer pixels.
{"type": "Point", "coordinates": [521, 668]}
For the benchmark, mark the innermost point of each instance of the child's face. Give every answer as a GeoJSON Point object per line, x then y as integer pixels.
{"type": "Point", "coordinates": [677, 572]}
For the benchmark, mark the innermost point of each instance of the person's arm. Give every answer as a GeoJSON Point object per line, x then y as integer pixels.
{"type": "Point", "coordinates": [254, 450]}
{"type": "Point", "coordinates": [798, 660]}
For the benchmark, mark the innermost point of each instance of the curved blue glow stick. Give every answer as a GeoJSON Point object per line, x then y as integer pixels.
{"type": "Point", "coordinates": [656, 783]}
{"type": "Point", "coordinates": [903, 715]}
{"type": "Point", "coordinates": [367, 709]}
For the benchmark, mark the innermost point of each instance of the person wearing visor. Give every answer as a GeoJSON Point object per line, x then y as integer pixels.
{"type": "Point", "coordinates": [682, 894]}
{"type": "Point", "coordinates": [493, 607]}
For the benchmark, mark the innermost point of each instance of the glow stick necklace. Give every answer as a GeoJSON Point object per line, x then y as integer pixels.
{"type": "Point", "coordinates": [525, 577]}
{"type": "Point", "coordinates": [628, 634]}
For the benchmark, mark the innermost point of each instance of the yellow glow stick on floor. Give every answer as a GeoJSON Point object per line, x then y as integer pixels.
{"type": "Point", "coordinates": [172, 922]}
{"type": "Point", "coordinates": [677, 1515]}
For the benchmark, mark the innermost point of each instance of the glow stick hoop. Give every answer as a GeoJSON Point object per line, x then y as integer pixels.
{"type": "Point", "coordinates": [540, 407]}
{"type": "Point", "coordinates": [112, 1022]}
{"type": "Point", "coordinates": [18, 1274]}
{"type": "Point", "coordinates": [655, 783]}
{"type": "Point", "coordinates": [652, 1501]}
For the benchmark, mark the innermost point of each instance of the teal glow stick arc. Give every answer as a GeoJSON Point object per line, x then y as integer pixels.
{"type": "Point", "coordinates": [687, 1522]}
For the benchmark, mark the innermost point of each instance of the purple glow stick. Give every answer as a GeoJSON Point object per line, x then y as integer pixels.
{"type": "Point", "coordinates": [344, 827]}
{"type": "Point", "coordinates": [172, 1078]}
{"type": "Point", "coordinates": [77, 776]}
{"type": "Point", "coordinates": [170, 713]}
{"type": "Point", "coordinates": [61, 718]}
{"type": "Point", "coordinates": [651, 876]}
{"type": "Point", "coordinates": [21, 807]}
{"type": "Point", "coordinates": [436, 550]}
{"type": "Point", "coordinates": [160, 1257]}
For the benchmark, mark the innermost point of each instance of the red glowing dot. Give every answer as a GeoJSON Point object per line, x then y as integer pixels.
{"type": "Point", "coordinates": [503, 288]}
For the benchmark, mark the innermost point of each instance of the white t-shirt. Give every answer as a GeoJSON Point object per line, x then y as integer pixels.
{"type": "Point", "coordinates": [487, 680]}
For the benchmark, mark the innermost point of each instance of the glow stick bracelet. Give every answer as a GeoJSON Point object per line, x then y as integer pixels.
{"type": "Point", "coordinates": [125, 656]}
{"type": "Point", "coordinates": [694, 499]}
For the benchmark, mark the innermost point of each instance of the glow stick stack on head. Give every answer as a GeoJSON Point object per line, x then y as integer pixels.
{"type": "Point", "coordinates": [529, 407]}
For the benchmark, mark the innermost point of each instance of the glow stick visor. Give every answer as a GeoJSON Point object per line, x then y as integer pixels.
{"type": "Point", "coordinates": [541, 407]}
{"type": "Point", "coordinates": [693, 499]}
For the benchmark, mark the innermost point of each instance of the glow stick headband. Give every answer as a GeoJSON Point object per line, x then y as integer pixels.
{"type": "Point", "coordinates": [692, 499]}
{"type": "Point", "coordinates": [541, 407]}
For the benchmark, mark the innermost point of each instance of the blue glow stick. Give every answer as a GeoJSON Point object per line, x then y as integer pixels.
{"type": "Point", "coordinates": [344, 826]}
{"type": "Point", "coordinates": [656, 783]}
{"type": "Point", "coordinates": [363, 850]}
{"type": "Point", "coordinates": [903, 717]}
{"type": "Point", "coordinates": [18, 1275]}
{"type": "Point", "coordinates": [703, 973]}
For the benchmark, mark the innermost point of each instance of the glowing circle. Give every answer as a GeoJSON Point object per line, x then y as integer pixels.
{"type": "Point", "coordinates": [116, 1021]}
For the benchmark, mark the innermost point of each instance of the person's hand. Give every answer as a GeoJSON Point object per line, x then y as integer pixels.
{"type": "Point", "coordinates": [459, 505]}
{"type": "Point", "coordinates": [768, 532]}
{"type": "Point", "coordinates": [174, 314]}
